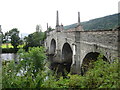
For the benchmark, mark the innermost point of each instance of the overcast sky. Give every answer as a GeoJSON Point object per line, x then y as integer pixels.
{"type": "Point", "coordinates": [26, 14]}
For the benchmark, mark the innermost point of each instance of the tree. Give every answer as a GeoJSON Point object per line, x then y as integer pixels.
{"type": "Point", "coordinates": [35, 39]}
{"type": "Point", "coordinates": [50, 28]}
{"type": "Point", "coordinates": [14, 36]}
{"type": "Point", "coordinates": [6, 38]}
{"type": "Point", "coordinates": [30, 72]}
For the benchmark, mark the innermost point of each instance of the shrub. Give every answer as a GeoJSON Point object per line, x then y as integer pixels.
{"type": "Point", "coordinates": [28, 73]}
{"type": "Point", "coordinates": [102, 75]}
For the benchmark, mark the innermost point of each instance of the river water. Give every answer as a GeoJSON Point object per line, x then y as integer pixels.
{"type": "Point", "coordinates": [8, 56]}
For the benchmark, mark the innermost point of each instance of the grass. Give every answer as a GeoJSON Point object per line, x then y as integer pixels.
{"type": "Point", "coordinates": [9, 45]}
{"type": "Point", "coordinates": [21, 46]}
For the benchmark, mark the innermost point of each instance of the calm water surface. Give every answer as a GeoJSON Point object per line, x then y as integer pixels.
{"type": "Point", "coordinates": [8, 56]}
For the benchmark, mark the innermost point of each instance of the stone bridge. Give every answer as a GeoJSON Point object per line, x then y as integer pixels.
{"type": "Point", "coordinates": [70, 49]}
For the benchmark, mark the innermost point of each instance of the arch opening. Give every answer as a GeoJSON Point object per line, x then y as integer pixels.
{"type": "Point", "coordinates": [52, 46]}
{"type": "Point", "coordinates": [88, 60]}
{"type": "Point", "coordinates": [63, 67]}
{"type": "Point", "coordinates": [67, 57]}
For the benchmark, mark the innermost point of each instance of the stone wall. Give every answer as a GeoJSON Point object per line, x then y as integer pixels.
{"type": "Point", "coordinates": [105, 42]}
{"type": "Point", "coordinates": [106, 38]}
{"type": "Point", "coordinates": [101, 41]}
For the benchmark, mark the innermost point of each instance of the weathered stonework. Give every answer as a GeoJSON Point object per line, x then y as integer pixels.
{"type": "Point", "coordinates": [81, 43]}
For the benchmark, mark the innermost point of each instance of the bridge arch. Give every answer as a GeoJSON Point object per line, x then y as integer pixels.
{"type": "Point", "coordinates": [67, 56]}
{"type": "Point", "coordinates": [52, 46]}
{"type": "Point", "coordinates": [90, 58]}
{"type": "Point", "coordinates": [67, 53]}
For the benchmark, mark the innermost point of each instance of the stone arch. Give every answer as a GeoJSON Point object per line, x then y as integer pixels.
{"type": "Point", "coordinates": [63, 67]}
{"type": "Point", "coordinates": [67, 53]}
{"type": "Point", "coordinates": [52, 46]}
{"type": "Point", "coordinates": [67, 56]}
{"type": "Point", "coordinates": [89, 58]}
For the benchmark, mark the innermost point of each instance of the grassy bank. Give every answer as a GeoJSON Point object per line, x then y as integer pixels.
{"type": "Point", "coordinates": [9, 45]}
{"type": "Point", "coordinates": [8, 48]}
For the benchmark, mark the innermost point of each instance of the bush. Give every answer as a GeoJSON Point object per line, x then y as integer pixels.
{"type": "Point", "coordinates": [32, 73]}
{"type": "Point", "coordinates": [28, 73]}
{"type": "Point", "coordinates": [102, 75]}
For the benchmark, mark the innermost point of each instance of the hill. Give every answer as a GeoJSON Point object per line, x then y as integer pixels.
{"type": "Point", "coordinates": [103, 23]}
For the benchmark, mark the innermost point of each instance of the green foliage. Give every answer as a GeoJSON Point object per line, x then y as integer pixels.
{"type": "Point", "coordinates": [70, 26]}
{"type": "Point", "coordinates": [9, 50]}
{"type": "Point", "coordinates": [35, 39]}
{"type": "Point", "coordinates": [103, 23]}
{"type": "Point", "coordinates": [12, 37]}
{"type": "Point", "coordinates": [7, 45]}
{"type": "Point", "coordinates": [6, 38]}
{"type": "Point", "coordinates": [34, 59]}
{"type": "Point", "coordinates": [15, 39]}
{"type": "Point", "coordinates": [28, 73]}
{"type": "Point", "coordinates": [102, 75]}
{"type": "Point", "coordinates": [33, 73]}
{"type": "Point", "coordinates": [50, 29]}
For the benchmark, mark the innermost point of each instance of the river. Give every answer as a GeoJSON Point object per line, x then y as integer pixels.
{"type": "Point", "coordinates": [8, 56]}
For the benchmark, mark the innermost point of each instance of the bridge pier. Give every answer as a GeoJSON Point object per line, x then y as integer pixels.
{"type": "Point", "coordinates": [56, 57]}
{"type": "Point", "coordinates": [75, 67]}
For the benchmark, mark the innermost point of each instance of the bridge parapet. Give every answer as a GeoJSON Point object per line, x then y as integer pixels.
{"type": "Point", "coordinates": [102, 38]}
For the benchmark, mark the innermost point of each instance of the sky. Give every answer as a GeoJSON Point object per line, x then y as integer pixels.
{"type": "Point", "coordinates": [26, 14]}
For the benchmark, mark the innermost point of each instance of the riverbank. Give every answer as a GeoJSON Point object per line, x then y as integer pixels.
{"type": "Point", "coordinates": [9, 50]}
